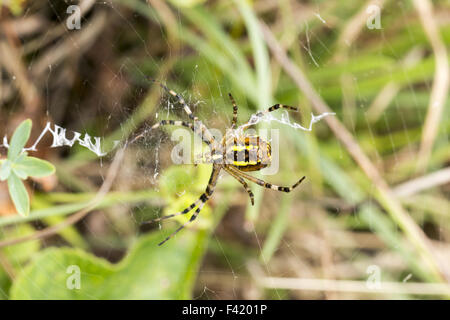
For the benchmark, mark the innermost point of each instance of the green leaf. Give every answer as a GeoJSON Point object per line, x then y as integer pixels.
{"type": "Point", "coordinates": [19, 172]}
{"type": "Point", "coordinates": [147, 272]}
{"type": "Point", "coordinates": [19, 139]}
{"type": "Point", "coordinates": [19, 253]}
{"type": "Point", "coordinates": [19, 195]}
{"type": "Point", "coordinates": [5, 170]}
{"type": "Point", "coordinates": [16, 255]}
{"type": "Point", "coordinates": [34, 167]}
{"type": "Point", "coordinates": [177, 179]}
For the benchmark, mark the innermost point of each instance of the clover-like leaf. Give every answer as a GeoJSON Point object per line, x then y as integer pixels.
{"type": "Point", "coordinates": [5, 170]}
{"type": "Point", "coordinates": [34, 167]}
{"type": "Point", "coordinates": [22, 174]}
{"type": "Point", "coordinates": [19, 194]}
{"type": "Point", "coordinates": [19, 172]}
{"type": "Point", "coordinates": [19, 139]}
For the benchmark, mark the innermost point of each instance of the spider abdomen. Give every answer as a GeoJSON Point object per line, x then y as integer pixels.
{"type": "Point", "coordinates": [248, 153]}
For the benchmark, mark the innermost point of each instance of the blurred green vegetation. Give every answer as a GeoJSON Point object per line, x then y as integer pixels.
{"type": "Point", "coordinates": [334, 226]}
{"type": "Point", "coordinates": [146, 273]}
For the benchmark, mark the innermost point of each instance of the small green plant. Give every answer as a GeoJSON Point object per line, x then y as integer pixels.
{"type": "Point", "coordinates": [19, 166]}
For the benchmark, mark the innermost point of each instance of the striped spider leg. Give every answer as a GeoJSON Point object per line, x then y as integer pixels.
{"type": "Point", "coordinates": [199, 203]}
{"type": "Point", "coordinates": [235, 111]}
{"type": "Point", "coordinates": [271, 109]}
{"type": "Point", "coordinates": [262, 183]}
{"type": "Point", "coordinates": [244, 184]}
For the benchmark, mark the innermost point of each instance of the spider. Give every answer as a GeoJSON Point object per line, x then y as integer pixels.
{"type": "Point", "coordinates": [235, 153]}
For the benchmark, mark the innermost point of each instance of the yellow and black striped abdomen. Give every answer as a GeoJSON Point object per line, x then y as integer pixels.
{"type": "Point", "coordinates": [249, 153]}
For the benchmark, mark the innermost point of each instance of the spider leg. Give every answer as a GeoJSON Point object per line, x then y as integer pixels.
{"type": "Point", "coordinates": [205, 158]}
{"type": "Point", "coordinates": [192, 206]}
{"type": "Point", "coordinates": [177, 96]}
{"type": "Point", "coordinates": [203, 199]}
{"type": "Point", "coordinates": [264, 184]}
{"type": "Point", "coordinates": [193, 217]}
{"type": "Point", "coordinates": [164, 123]}
{"type": "Point", "coordinates": [244, 184]}
{"type": "Point", "coordinates": [173, 123]}
{"type": "Point", "coordinates": [280, 106]}
{"type": "Point", "coordinates": [235, 110]}
{"type": "Point", "coordinates": [198, 125]}
{"type": "Point", "coordinates": [272, 108]}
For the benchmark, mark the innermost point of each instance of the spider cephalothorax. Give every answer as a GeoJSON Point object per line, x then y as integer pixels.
{"type": "Point", "coordinates": [236, 153]}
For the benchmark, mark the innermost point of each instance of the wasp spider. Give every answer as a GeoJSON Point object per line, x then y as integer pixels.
{"type": "Point", "coordinates": [236, 153]}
